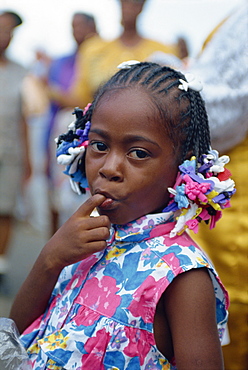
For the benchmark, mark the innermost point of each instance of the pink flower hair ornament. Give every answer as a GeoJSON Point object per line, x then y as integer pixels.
{"type": "Point", "coordinates": [201, 192]}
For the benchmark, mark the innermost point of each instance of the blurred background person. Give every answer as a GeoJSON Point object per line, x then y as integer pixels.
{"type": "Point", "coordinates": [98, 59]}
{"type": "Point", "coordinates": [36, 105]}
{"type": "Point", "coordinates": [222, 66]}
{"type": "Point", "coordinates": [182, 44]}
{"type": "Point", "coordinates": [15, 167]}
{"type": "Point", "coordinates": [61, 76]}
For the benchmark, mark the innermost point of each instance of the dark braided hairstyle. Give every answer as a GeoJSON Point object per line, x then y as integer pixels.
{"type": "Point", "coordinates": [181, 112]}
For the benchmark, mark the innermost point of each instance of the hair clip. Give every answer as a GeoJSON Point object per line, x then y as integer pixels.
{"type": "Point", "coordinates": [191, 82]}
{"type": "Point", "coordinates": [128, 64]}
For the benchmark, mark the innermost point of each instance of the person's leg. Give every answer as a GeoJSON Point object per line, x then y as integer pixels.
{"type": "Point", "coordinates": [5, 233]}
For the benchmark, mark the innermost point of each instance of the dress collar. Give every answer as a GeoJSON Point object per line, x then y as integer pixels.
{"type": "Point", "coordinates": [144, 227]}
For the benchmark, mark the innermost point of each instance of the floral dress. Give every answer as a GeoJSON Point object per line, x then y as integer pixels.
{"type": "Point", "coordinates": [101, 312]}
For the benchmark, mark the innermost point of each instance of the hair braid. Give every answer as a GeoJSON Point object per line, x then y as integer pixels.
{"type": "Point", "coordinates": [198, 137]}
{"type": "Point", "coordinates": [162, 80]}
{"type": "Point", "coordinates": [139, 74]}
{"type": "Point", "coordinates": [155, 73]}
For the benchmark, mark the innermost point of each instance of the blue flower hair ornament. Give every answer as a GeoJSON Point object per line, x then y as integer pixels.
{"type": "Point", "coordinates": [71, 150]}
{"type": "Point", "coordinates": [202, 190]}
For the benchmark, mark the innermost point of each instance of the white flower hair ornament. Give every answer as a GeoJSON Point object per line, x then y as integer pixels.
{"type": "Point", "coordinates": [128, 64]}
{"type": "Point", "coordinates": [192, 82]}
{"type": "Point", "coordinates": [71, 149]}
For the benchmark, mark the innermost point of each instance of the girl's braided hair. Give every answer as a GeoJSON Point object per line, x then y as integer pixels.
{"type": "Point", "coordinates": [182, 113]}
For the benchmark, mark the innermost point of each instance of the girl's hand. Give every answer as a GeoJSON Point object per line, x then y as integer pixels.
{"type": "Point", "coordinates": [79, 237]}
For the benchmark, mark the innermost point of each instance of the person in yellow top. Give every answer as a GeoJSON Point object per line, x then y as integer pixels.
{"type": "Point", "coordinates": [98, 59]}
{"type": "Point", "coordinates": [222, 67]}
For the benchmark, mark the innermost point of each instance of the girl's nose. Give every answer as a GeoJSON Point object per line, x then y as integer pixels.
{"type": "Point", "coordinates": [112, 168]}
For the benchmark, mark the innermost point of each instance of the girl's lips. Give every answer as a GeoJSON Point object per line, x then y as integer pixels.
{"type": "Point", "coordinates": [107, 204]}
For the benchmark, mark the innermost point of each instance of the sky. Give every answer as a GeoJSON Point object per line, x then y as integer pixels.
{"type": "Point", "coordinates": [47, 23]}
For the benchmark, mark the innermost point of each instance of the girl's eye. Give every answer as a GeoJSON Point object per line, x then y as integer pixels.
{"type": "Point", "coordinates": [138, 154]}
{"type": "Point", "coordinates": [99, 146]}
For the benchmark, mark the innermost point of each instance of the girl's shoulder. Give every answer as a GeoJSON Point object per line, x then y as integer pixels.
{"type": "Point", "coordinates": [186, 252]}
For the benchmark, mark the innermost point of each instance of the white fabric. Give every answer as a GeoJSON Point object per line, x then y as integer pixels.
{"type": "Point", "coordinates": [223, 69]}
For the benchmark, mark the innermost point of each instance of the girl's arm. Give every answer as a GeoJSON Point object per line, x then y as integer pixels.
{"type": "Point", "coordinates": [190, 309]}
{"type": "Point", "coordinates": [78, 238]}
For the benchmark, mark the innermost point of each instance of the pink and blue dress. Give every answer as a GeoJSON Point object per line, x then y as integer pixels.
{"type": "Point", "coordinates": [101, 313]}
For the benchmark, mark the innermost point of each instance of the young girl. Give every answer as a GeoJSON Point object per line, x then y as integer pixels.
{"type": "Point", "coordinates": [128, 288]}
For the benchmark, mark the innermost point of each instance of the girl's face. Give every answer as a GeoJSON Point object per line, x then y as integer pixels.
{"type": "Point", "coordinates": [130, 158]}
